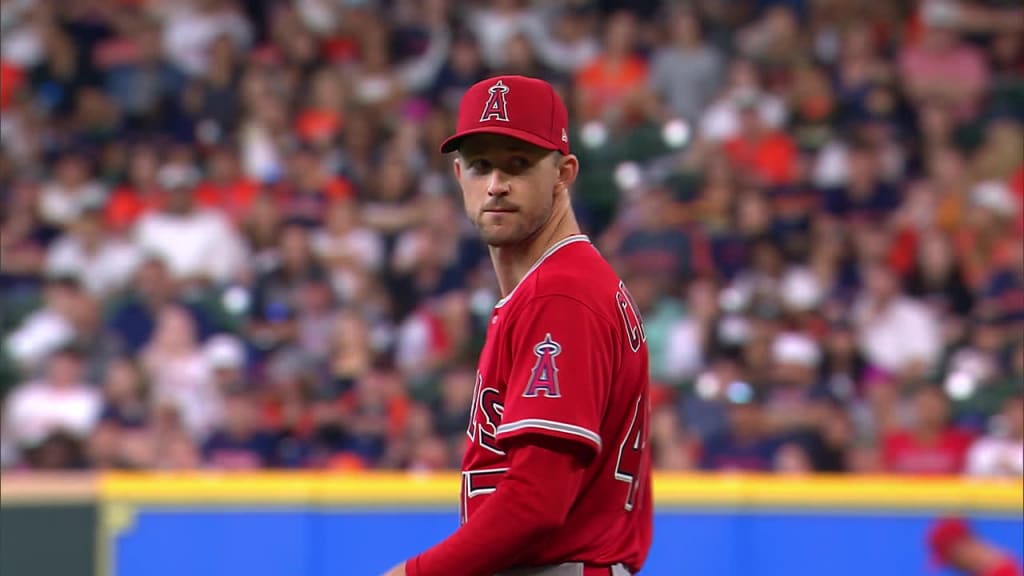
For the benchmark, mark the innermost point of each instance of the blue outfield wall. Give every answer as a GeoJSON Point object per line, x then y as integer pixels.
{"type": "Point", "coordinates": [210, 537]}
{"type": "Point", "coordinates": [260, 542]}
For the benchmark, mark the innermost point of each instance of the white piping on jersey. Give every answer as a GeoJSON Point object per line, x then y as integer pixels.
{"type": "Point", "coordinates": [560, 244]}
{"type": "Point", "coordinates": [552, 426]}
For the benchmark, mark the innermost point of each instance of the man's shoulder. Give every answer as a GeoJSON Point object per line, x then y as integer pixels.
{"type": "Point", "coordinates": [578, 272]}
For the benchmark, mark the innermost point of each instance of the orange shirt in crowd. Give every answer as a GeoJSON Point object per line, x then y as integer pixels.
{"type": "Point", "coordinates": [771, 158]}
{"type": "Point", "coordinates": [603, 83]}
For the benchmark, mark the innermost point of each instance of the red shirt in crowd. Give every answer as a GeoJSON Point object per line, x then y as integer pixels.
{"type": "Point", "coordinates": [907, 453]}
{"type": "Point", "coordinates": [11, 80]}
{"type": "Point", "coordinates": [233, 199]}
{"type": "Point", "coordinates": [127, 204]}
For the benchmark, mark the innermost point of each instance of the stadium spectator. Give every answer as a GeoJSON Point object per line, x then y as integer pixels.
{"type": "Point", "coordinates": [941, 66]}
{"type": "Point", "coordinates": [179, 373]}
{"type": "Point", "coordinates": [610, 88]}
{"type": "Point", "coordinates": [58, 407]}
{"type": "Point", "coordinates": [198, 245]}
{"type": "Point", "coordinates": [1002, 452]}
{"type": "Point", "coordinates": [239, 443]}
{"type": "Point", "coordinates": [686, 72]}
{"type": "Point", "coordinates": [47, 327]}
{"type": "Point", "coordinates": [896, 333]}
{"type": "Point", "coordinates": [930, 445]}
{"type": "Point", "coordinates": [721, 119]}
{"type": "Point", "coordinates": [63, 199]}
{"type": "Point", "coordinates": [672, 448]}
{"type": "Point", "coordinates": [101, 263]}
{"type": "Point", "coordinates": [124, 401]}
{"type": "Point", "coordinates": [746, 444]}
{"type": "Point", "coordinates": [496, 24]}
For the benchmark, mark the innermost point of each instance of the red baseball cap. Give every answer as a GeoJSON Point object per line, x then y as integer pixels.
{"type": "Point", "coordinates": [518, 106]}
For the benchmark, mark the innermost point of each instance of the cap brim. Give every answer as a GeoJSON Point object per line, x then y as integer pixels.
{"type": "Point", "coordinates": [452, 143]}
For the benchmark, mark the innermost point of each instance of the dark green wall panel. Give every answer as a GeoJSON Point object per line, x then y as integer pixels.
{"type": "Point", "coordinates": [48, 540]}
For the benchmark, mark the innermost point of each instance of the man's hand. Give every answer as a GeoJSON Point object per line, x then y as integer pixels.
{"type": "Point", "coordinates": [397, 570]}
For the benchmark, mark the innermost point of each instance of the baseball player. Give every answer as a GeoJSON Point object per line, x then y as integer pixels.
{"type": "Point", "coordinates": [556, 474]}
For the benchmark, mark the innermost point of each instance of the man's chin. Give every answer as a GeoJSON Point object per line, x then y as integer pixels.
{"type": "Point", "coordinates": [501, 238]}
{"type": "Point", "coordinates": [504, 234]}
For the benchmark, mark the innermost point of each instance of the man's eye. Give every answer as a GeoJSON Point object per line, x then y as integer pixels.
{"type": "Point", "coordinates": [482, 166]}
{"type": "Point", "coordinates": [517, 164]}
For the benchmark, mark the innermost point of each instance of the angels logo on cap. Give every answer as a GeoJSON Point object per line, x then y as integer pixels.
{"type": "Point", "coordinates": [497, 106]}
{"type": "Point", "coordinates": [538, 115]}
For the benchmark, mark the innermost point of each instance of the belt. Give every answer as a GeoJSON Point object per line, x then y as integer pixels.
{"type": "Point", "coordinates": [569, 569]}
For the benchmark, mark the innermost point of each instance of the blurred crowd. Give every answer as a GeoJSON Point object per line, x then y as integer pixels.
{"type": "Point", "coordinates": [228, 240]}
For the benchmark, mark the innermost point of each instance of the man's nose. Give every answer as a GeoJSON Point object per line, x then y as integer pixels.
{"type": "Point", "coordinates": [497, 184]}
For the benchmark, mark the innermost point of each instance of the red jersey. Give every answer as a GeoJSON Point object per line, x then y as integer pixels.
{"type": "Point", "coordinates": [566, 357]}
{"type": "Point", "coordinates": [903, 452]}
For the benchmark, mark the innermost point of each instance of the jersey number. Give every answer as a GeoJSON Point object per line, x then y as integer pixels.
{"type": "Point", "coordinates": [629, 467]}
{"type": "Point", "coordinates": [478, 483]}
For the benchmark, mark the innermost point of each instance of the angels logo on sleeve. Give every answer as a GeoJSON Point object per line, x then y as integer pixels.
{"type": "Point", "coordinates": [544, 376]}
{"type": "Point", "coordinates": [496, 107]}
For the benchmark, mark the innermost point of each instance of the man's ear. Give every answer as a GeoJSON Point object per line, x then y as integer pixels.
{"type": "Point", "coordinates": [568, 169]}
{"type": "Point", "coordinates": [457, 168]}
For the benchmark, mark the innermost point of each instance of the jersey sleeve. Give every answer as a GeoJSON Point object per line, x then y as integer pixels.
{"type": "Point", "coordinates": [562, 354]}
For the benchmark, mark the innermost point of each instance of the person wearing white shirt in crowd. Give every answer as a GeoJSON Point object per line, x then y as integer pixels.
{"type": "Point", "coordinates": [895, 333]}
{"type": "Point", "coordinates": [495, 23]}
{"type": "Point", "coordinates": [179, 372]}
{"type": "Point", "coordinates": [564, 38]}
{"type": "Point", "coordinates": [58, 402]}
{"type": "Point", "coordinates": [47, 328]}
{"type": "Point", "coordinates": [197, 244]}
{"type": "Point", "coordinates": [102, 263]}
{"type": "Point", "coordinates": [720, 120]}
{"type": "Point", "coordinates": [1001, 453]}
{"type": "Point", "coordinates": [191, 27]}
{"type": "Point", "coordinates": [70, 192]}
{"type": "Point", "coordinates": [352, 250]}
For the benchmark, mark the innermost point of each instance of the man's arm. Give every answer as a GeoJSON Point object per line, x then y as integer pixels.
{"type": "Point", "coordinates": [534, 497]}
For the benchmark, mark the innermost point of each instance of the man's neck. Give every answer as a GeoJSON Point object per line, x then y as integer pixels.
{"type": "Point", "coordinates": [511, 263]}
